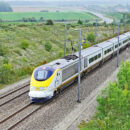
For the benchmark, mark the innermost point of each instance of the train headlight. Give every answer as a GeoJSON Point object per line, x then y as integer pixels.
{"type": "Point", "coordinates": [42, 88]}
{"type": "Point", "coordinates": [33, 88]}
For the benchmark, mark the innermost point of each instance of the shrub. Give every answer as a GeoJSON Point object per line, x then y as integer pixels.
{"type": "Point", "coordinates": [113, 105]}
{"type": "Point", "coordinates": [61, 53]}
{"type": "Point", "coordinates": [45, 28]}
{"type": "Point", "coordinates": [5, 73]}
{"type": "Point", "coordinates": [79, 22]}
{"type": "Point", "coordinates": [105, 35]}
{"type": "Point", "coordinates": [86, 45]}
{"type": "Point", "coordinates": [69, 37]}
{"type": "Point", "coordinates": [49, 22]}
{"type": "Point", "coordinates": [5, 60]}
{"type": "Point", "coordinates": [48, 46]}
{"type": "Point", "coordinates": [18, 51]}
{"type": "Point", "coordinates": [3, 50]}
{"type": "Point", "coordinates": [124, 75]}
{"type": "Point", "coordinates": [24, 44]}
{"type": "Point", "coordinates": [91, 37]}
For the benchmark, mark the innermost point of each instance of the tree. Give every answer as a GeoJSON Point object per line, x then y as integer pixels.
{"type": "Point", "coordinates": [41, 19]}
{"type": "Point", "coordinates": [49, 22]}
{"type": "Point", "coordinates": [5, 7]}
{"type": "Point", "coordinates": [80, 22]}
{"type": "Point", "coordinates": [48, 46]}
{"type": "Point", "coordinates": [91, 37]}
{"type": "Point", "coordinates": [1, 20]}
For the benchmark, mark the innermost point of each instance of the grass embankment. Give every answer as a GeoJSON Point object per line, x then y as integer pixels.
{"type": "Point", "coordinates": [13, 16]}
{"type": "Point", "coordinates": [25, 46]}
{"type": "Point", "coordinates": [113, 110]}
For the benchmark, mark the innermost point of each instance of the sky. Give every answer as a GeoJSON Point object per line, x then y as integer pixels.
{"type": "Point", "coordinates": [69, 0]}
{"type": "Point", "coordinates": [119, 1]}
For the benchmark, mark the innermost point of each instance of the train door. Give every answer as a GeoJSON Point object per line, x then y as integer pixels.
{"type": "Point", "coordinates": [58, 79]}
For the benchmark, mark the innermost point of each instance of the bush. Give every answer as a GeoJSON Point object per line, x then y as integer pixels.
{"type": "Point", "coordinates": [105, 34]}
{"type": "Point", "coordinates": [3, 50]}
{"type": "Point", "coordinates": [49, 22]}
{"type": "Point", "coordinates": [69, 37]}
{"type": "Point", "coordinates": [24, 44]}
{"type": "Point", "coordinates": [18, 51]}
{"type": "Point", "coordinates": [91, 37]}
{"type": "Point", "coordinates": [124, 75]}
{"type": "Point", "coordinates": [79, 22]}
{"type": "Point", "coordinates": [48, 46]}
{"type": "Point", "coordinates": [5, 73]}
{"type": "Point", "coordinates": [61, 54]}
{"type": "Point", "coordinates": [45, 28]}
{"type": "Point", "coordinates": [5, 60]}
{"type": "Point", "coordinates": [86, 45]}
{"type": "Point", "coordinates": [113, 105]}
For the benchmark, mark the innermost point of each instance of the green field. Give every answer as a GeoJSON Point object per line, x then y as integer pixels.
{"type": "Point", "coordinates": [12, 16]}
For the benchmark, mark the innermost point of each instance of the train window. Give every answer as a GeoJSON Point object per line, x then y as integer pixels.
{"type": "Point", "coordinates": [116, 45]}
{"type": "Point", "coordinates": [85, 62]}
{"type": "Point", "coordinates": [94, 58]}
{"type": "Point", "coordinates": [42, 74]}
{"type": "Point", "coordinates": [125, 41]}
{"type": "Point", "coordinates": [99, 55]}
{"type": "Point", "coordinates": [108, 50]}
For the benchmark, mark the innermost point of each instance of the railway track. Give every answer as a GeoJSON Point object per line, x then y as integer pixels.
{"type": "Point", "coordinates": [25, 108]}
{"type": "Point", "coordinates": [13, 93]}
{"type": "Point", "coordinates": [5, 95]}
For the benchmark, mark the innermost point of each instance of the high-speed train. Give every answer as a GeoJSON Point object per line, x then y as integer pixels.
{"type": "Point", "coordinates": [47, 80]}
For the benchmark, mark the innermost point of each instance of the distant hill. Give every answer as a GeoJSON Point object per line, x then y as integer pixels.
{"type": "Point", "coordinates": [5, 7]}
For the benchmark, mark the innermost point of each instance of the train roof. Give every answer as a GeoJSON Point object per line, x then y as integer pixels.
{"type": "Point", "coordinates": [115, 39]}
{"type": "Point", "coordinates": [128, 34]}
{"type": "Point", "coordinates": [90, 50]}
{"type": "Point", "coordinates": [61, 63]}
{"type": "Point", "coordinates": [105, 44]}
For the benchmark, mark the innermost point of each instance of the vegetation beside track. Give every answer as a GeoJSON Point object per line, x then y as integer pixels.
{"type": "Point", "coordinates": [23, 46]}
{"type": "Point", "coordinates": [113, 105]}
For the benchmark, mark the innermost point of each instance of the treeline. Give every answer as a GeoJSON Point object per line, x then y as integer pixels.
{"type": "Point", "coordinates": [125, 18]}
{"type": "Point", "coordinates": [5, 7]}
{"type": "Point", "coordinates": [41, 19]}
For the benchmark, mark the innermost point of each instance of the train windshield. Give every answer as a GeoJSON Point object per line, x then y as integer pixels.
{"type": "Point", "coordinates": [43, 74]}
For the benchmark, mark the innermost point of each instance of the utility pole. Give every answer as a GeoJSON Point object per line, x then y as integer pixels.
{"type": "Point", "coordinates": [79, 67]}
{"type": "Point", "coordinates": [113, 28]}
{"type": "Point", "coordinates": [96, 31]}
{"type": "Point", "coordinates": [124, 21]}
{"type": "Point", "coordinates": [65, 39]}
{"type": "Point", "coordinates": [118, 45]}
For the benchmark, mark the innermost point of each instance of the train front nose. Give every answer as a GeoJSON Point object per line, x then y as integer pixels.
{"type": "Point", "coordinates": [40, 81]}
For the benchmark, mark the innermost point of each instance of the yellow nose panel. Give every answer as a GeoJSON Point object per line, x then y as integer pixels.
{"type": "Point", "coordinates": [45, 83]}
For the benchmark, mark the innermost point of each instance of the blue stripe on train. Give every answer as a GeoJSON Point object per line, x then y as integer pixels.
{"type": "Point", "coordinates": [40, 100]}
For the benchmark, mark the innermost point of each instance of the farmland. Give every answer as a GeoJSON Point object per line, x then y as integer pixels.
{"type": "Point", "coordinates": [27, 45]}
{"type": "Point", "coordinates": [8, 16]}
